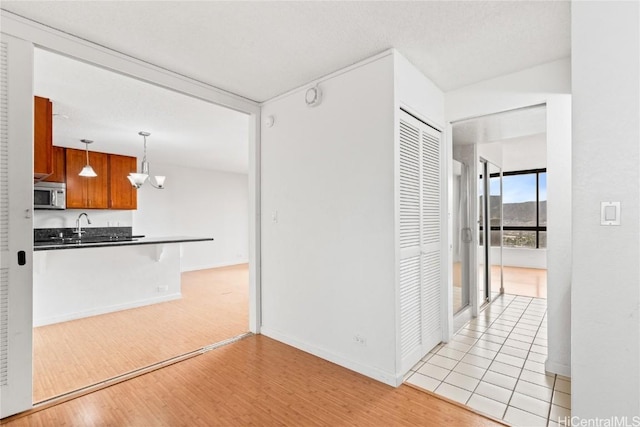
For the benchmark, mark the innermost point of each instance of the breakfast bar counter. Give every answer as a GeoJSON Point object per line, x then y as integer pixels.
{"type": "Point", "coordinates": [116, 241]}
{"type": "Point", "coordinates": [76, 278]}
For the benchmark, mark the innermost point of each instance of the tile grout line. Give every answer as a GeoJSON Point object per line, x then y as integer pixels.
{"type": "Point", "coordinates": [524, 310]}
{"type": "Point", "coordinates": [553, 392]}
{"type": "Point", "coordinates": [476, 342]}
{"type": "Point", "coordinates": [525, 361]}
{"type": "Point", "coordinates": [485, 331]}
{"type": "Point", "coordinates": [501, 346]}
{"type": "Point", "coordinates": [466, 352]}
{"type": "Point", "coordinates": [497, 353]}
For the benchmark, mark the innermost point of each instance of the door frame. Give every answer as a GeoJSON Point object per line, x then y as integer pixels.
{"type": "Point", "coordinates": [485, 231]}
{"type": "Point", "coordinates": [50, 39]}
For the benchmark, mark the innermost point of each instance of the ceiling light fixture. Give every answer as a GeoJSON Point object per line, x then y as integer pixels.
{"type": "Point", "coordinates": [137, 179]}
{"type": "Point", "coordinates": [87, 170]}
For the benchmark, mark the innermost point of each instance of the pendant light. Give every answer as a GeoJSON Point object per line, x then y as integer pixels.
{"type": "Point", "coordinates": [138, 179]}
{"type": "Point", "coordinates": [87, 171]}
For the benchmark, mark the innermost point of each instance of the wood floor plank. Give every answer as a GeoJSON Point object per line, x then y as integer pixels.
{"type": "Point", "coordinates": [75, 354]}
{"type": "Point", "coordinates": [255, 381]}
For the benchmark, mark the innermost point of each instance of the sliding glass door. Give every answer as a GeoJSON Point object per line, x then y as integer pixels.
{"type": "Point", "coordinates": [461, 236]}
{"type": "Point", "coordinates": [489, 231]}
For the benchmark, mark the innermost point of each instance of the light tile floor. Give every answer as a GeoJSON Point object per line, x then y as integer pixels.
{"type": "Point", "coordinates": [495, 365]}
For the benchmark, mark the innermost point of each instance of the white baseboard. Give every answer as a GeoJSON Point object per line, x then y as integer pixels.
{"type": "Point", "coordinates": [557, 368]}
{"type": "Point", "coordinates": [461, 318]}
{"type": "Point", "coordinates": [103, 310]}
{"type": "Point", "coordinates": [376, 374]}
{"type": "Point", "coordinates": [214, 265]}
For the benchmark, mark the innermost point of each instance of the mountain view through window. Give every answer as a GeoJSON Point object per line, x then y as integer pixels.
{"type": "Point", "coordinates": [524, 209]}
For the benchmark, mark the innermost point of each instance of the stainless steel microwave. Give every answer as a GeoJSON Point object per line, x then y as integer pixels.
{"type": "Point", "coordinates": [49, 195]}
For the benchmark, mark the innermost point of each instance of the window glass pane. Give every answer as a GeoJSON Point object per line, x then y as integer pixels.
{"type": "Point", "coordinates": [519, 239]}
{"type": "Point", "coordinates": [495, 211]}
{"type": "Point", "coordinates": [543, 240]}
{"type": "Point", "coordinates": [543, 198]}
{"type": "Point", "coordinates": [495, 237]}
{"type": "Point", "coordinates": [519, 198]}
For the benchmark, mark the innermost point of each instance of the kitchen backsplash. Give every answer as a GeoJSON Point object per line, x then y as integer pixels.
{"type": "Point", "coordinates": [67, 218]}
{"type": "Point", "coordinates": [47, 234]}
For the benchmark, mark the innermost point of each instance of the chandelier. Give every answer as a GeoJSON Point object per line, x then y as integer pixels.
{"type": "Point", "coordinates": [138, 179]}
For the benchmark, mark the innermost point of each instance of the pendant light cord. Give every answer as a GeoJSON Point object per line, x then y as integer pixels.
{"type": "Point", "coordinates": [144, 156]}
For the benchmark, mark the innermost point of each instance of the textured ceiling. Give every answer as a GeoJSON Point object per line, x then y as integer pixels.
{"type": "Point", "coordinates": [108, 108]}
{"type": "Point", "coordinates": [508, 125]}
{"type": "Point", "coordinates": [262, 49]}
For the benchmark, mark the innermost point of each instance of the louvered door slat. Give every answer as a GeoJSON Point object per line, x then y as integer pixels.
{"type": "Point", "coordinates": [430, 188]}
{"type": "Point", "coordinates": [4, 218]}
{"type": "Point", "coordinates": [420, 277]}
{"type": "Point", "coordinates": [409, 186]}
{"type": "Point", "coordinates": [409, 237]}
{"type": "Point", "coordinates": [410, 301]}
{"type": "Point", "coordinates": [431, 319]}
{"type": "Point", "coordinates": [431, 282]}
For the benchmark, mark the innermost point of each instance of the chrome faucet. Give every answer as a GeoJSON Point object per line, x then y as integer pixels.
{"type": "Point", "coordinates": [79, 231]}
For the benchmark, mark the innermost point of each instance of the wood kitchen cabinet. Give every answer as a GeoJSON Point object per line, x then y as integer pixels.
{"type": "Point", "coordinates": [87, 192]}
{"type": "Point", "coordinates": [59, 169]}
{"type": "Point", "coordinates": [122, 195]}
{"type": "Point", "coordinates": [42, 138]}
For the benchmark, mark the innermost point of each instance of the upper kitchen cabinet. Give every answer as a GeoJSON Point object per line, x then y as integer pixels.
{"type": "Point", "coordinates": [87, 192]}
{"type": "Point", "coordinates": [122, 195]}
{"type": "Point", "coordinates": [42, 138]}
{"type": "Point", "coordinates": [59, 169]}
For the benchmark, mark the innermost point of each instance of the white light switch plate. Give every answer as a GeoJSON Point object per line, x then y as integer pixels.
{"type": "Point", "coordinates": [609, 213]}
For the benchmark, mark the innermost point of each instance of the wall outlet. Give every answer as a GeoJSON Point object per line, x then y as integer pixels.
{"type": "Point", "coordinates": [360, 340]}
{"type": "Point", "coordinates": [163, 288]}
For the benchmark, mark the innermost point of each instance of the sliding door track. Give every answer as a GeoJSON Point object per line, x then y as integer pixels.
{"type": "Point", "coordinates": [47, 403]}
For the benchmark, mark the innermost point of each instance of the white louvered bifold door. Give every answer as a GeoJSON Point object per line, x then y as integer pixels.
{"type": "Point", "coordinates": [410, 296]}
{"type": "Point", "coordinates": [419, 239]}
{"type": "Point", "coordinates": [16, 227]}
{"type": "Point", "coordinates": [431, 244]}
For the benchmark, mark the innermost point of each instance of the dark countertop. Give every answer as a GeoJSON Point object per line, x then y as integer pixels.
{"type": "Point", "coordinates": [122, 241]}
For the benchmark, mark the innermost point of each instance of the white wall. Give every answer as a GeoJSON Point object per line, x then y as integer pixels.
{"type": "Point", "coordinates": [199, 203]}
{"type": "Point", "coordinates": [492, 152]}
{"type": "Point", "coordinates": [522, 257]}
{"type": "Point", "coordinates": [606, 154]}
{"type": "Point", "coordinates": [328, 272]}
{"type": "Point", "coordinates": [551, 84]}
{"type": "Point", "coordinates": [418, 93]}
{"type": "Point", "coordinates": [524, 153]}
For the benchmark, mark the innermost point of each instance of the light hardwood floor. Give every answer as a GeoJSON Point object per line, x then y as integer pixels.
{"type": "Point", "coordinates": [255, 381]}
{"type": "Point", "coordinates": [75, 354]}
{"type": "Point", "coordinates": [528, 282]}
